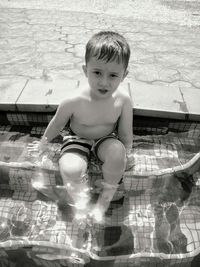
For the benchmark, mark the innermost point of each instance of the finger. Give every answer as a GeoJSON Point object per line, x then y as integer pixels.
{"type": "Point", "coordinates": [32, 149]}
{"type": "Point", "coordinates": [34, 143]}
{"type": "Point", "coordinates": [31, 145]}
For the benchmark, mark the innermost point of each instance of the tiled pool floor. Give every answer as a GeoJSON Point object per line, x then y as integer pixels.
{"type": "Point", "coordinates": [156, 221]}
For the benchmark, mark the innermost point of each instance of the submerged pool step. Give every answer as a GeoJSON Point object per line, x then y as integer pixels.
{"type": "Point", "coordinates": [27, 176]}
{"type": "Point", "coordinates": [141, 124]}
{"type": "Point", "coordinates": [26, 118]}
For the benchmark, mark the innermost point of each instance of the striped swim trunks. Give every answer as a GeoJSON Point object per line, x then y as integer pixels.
{"type": "Point", "coordinates": [75, 144]}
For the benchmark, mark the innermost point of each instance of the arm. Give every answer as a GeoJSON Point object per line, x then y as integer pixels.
{"type": "Point", "coordinates": [125, 131]}
{"type": "Point", "coordinates": [58, 122]}
{"type": "Point", "coordinates": [62, 116]}
{"type": "Point", "coordinates": [125, 124]}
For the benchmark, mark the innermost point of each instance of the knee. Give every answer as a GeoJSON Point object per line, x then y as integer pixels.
{"type": "Point", "coordinates": [72, 170]}
{"type": "Point", "coordinates": [116, 155]}
{"type": "Point", "coordinates": [71, 173]}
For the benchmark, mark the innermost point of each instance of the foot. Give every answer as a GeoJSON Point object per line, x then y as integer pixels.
{"type": "Point", "coordinates": [80, 219]}
{"type": "Point", "coordinates": [97, 215]}
{"type": "Point", "coordinates": [100, 184]}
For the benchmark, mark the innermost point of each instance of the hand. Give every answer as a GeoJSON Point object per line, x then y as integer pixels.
{"type": "Point", "coordinates": [37, 147]}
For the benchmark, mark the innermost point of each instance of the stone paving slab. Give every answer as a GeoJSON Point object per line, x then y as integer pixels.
{"type": "Point", "coordinates": [38, 44]}
{"type": "Point", "coordinates": [44, 96]}
{"type": "Point", "coordinates": [164, 101]}
{"type": "Point", "coordinates": [158, 101]}
{"type": "Point", "coordinates": [10, 90]}
{"type": "Point", "coordinates": [192, 98]}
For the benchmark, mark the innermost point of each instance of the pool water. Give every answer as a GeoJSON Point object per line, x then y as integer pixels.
{"type": "Point", "coordinates": [155, 221]}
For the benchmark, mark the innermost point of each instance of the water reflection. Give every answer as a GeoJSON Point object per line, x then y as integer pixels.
{"type": "Point", "coordinates": [147, 220]}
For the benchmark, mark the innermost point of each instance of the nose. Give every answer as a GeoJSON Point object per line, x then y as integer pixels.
{"type": "Point", "coordinates": [104, 81]}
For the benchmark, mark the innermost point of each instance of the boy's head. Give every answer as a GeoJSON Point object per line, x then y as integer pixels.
{"type": "Point", "coordinates": [108, 46]}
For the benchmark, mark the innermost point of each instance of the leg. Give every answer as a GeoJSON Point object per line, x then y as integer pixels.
{"type": "Point", "coordinates": [73, 168]}
{"type": "Point", "coordinates": [113, 155]}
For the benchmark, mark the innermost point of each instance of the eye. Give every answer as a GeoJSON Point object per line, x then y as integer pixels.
{"type": "Point", "coordinates": [97, 73]}
{"type": "Point", "coordinates": [113, 75]}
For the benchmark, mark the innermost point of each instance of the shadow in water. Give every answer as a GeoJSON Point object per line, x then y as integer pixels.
{"type": "Point", "coordinates": [171, 199]}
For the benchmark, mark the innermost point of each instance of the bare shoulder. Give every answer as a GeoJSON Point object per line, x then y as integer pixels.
{"type": "Point", "coordinates": [123, 94]}
{"type": "Point", "coordinates": [72, 98]}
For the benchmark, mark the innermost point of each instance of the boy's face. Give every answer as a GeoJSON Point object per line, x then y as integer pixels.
{"type": "Point", "coordinates": [104, 77]}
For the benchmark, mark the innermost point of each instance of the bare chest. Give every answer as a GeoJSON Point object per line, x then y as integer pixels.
{"type": "Point", "coordinates": [95, 113]}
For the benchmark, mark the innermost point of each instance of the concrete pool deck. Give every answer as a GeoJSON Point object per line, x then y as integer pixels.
{"type": "Point", "coordinates": [42, 54]}
{"type": "Point", "coordinates": [148, 100]}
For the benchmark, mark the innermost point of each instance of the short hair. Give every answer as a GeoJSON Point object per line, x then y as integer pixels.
{"type": "Point", "coordinates": [108, 46]}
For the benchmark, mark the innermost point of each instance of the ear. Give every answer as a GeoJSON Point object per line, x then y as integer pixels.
{"type": "Point", "coordinates": [125, 74]}
{"type": "Point", "coordinates": [84, 67]}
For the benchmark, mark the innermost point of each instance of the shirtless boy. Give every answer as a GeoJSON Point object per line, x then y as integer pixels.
{"type": "Point", "coordinates": [100, 120]}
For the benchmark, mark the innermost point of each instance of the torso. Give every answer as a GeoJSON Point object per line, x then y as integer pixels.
{"type": "Point", "coordinates": [95, 119]}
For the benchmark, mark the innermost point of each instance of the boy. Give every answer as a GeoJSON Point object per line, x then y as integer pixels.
{"type": "Point", "coordinates": [94, 115]}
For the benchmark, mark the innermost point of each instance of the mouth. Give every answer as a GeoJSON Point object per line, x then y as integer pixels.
{"type": "Point", "coordinates": [103, 91]}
